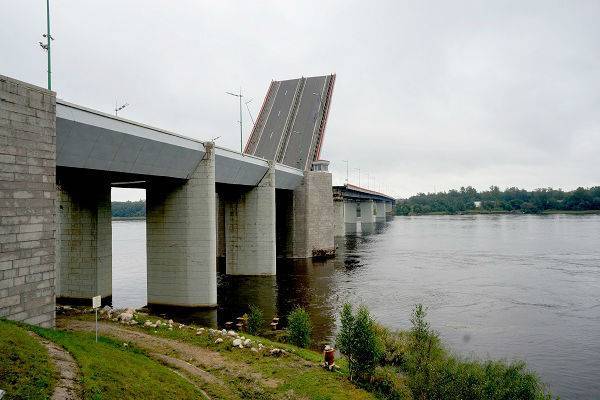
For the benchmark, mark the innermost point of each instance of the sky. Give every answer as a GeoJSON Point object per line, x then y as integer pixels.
{"type": "Point", "coordinates": [429, 95]}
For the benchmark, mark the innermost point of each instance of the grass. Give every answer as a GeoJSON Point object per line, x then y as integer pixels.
{"type": "Point", "coordinates": [112, 371]}
{"type": "Point", "coordinates": [25, 368]}
{"type": "Point", "coordinates": [300, 372]}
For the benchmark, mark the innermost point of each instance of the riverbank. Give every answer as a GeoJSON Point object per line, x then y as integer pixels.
{"type": "Point", "coordinates": [503, 212]}
{"type": "Point", "coordinates": [138, 355]}
{"type": "Point", "coordinates": [169, 360]}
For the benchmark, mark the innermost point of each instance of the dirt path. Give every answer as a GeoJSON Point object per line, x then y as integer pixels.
{"type": "Point", "coordinates": [68, 386]}
{"type": "Point", "coordinates": [193, 360]}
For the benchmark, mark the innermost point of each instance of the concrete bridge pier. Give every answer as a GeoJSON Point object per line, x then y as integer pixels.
{"type": "Point", "coordinates": [249, 225]}
{"type": "Point", "coordinates": [339, 217]}
{"type": "Point", "coordinates": [350, 212]}
{"type": "Point", "coordinates": [380, 216]}
{"type": "Point", "coordinates": [367, 217]}
{"type": "Point", "coordinates": [181, 236]}
{"type": "Point", "coordinates": [84, 233]}
{"type": "Point", "coordinates": [389, 211]}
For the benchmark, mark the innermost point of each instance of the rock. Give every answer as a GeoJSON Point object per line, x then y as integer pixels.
{"type": "Point", "coordinates": [275, 352]}
{"type": "Point", "coordinates": [148, 323]}
{"type": "Point", "coordinates": [170, 328]}
{"type": "Point", "coordinates": [254, 349]}
{"type": "Point", "coordinates": [201, 329]}
{"type": "Point", "coordinates": [133, 322]}
{"type": "Point", "coordinates": [125, 316]}
{"type": "Point", "coordinates": [224, 332]}
{"type": "Point", "coordinates": [157, 323]}
{"type": "Point", "coordinates": [232, 333]}
{"type": "Point", "coordinates": [219, 340]}
{"type": "Point", "coordinates": [247, 343]}
{"type": "Point", "coordinates": [237, 342]}
{"type": "Point", "coordinates": [170, 322]}
{"type": "Point", "coordinates": [125, 345]}
{"type": "Point", "coordinates": [198, 333]}
{"type": "Point", "coordinates": [243, 338]}
{"type": "Point", "coordinates": [181, 326]}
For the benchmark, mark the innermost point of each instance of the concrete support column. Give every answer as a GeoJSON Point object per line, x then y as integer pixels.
{"type": "Point", "coordinates": [250, 228]}
{"type": "Point", "coordinates": [389, 211]}
{"type": "Point", "coordinates": [312, 224]}
{"type": "Point", "coordinates": [220, 226]}
{"type": "Point", "coordinates": [350, 217]}
{"type": "Point", "coordinates": [181, 235]}
{"type": "Point", "coordinates": [339, 218]}
{"type": "Point", "coordinates": [380, 212]}
{"type": "Point", "coordinates": [84, 232]}
{"type": "Point", "coordinates": [367, 217]}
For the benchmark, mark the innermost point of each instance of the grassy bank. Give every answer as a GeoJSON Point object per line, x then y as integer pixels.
{"type": "Point", "coordinates": [25, 368]}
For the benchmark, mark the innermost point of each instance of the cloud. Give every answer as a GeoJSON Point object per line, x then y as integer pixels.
{"type": "Point", "coordinates": [428, 94]}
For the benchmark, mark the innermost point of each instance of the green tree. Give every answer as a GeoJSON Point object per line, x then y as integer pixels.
{"type": "Point", "coordinates": [299, 327]}
{"type": "Point", "coordinates": [255, 320]}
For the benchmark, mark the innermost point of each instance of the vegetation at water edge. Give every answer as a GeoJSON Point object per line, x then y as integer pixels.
{"type": "Point", "coordinates": [513, 199]}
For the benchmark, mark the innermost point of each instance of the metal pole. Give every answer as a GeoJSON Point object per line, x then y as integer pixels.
{"type": "Point", "coordinates": [241, 130]}
{"type": "Point", "coordinates": [96, 325]}
{"type": "Point", "coordinates": [48, 40]}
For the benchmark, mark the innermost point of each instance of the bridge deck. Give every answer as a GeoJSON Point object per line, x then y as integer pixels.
{"type": "Point", "coordinates": [290, 126]}
{"type": "Point", "coordinates": [94, 140]}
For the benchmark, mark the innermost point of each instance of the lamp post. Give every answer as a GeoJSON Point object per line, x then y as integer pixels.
{"type": "Point", "coordinates": [239, 95]}
{"type": "Point", "coordinates": [46, 46]}
{"type": "Point", "coordinates": [346, 161]}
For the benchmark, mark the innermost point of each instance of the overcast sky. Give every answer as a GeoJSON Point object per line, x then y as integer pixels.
{"type": "Point", "coordinates": [428, 95]}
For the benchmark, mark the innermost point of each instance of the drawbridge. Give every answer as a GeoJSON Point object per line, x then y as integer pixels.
{"type": "Point", "coordinates": [291, 124]}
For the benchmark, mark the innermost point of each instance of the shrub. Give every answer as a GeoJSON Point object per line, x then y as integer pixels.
{"type": "Point", "coordinates": [358, 341]}
{"type": "Point", "coordinates": [299, 327]}
{"type": "Point", "coordinates": [388, 384]}
{"type": "Point", "coordinates": [255, 320]}
{"type": "Point", "coordinates": [395, 346]}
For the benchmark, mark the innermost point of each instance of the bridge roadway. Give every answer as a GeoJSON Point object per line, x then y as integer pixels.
{"type": "Point", "coordinates": [90, 139]}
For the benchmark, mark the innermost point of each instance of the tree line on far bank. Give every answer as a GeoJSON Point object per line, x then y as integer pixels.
{"type": "Point", "coordinates": [467, 199]}
{"type": "Point", "coordinates": [129, 209]}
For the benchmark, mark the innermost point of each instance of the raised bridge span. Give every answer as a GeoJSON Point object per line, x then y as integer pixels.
{"type": "Point", "coordinates": [291, 124]}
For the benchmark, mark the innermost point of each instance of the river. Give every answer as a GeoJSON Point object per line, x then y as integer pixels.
{"type": "Point", "coordinates": [500, 286]}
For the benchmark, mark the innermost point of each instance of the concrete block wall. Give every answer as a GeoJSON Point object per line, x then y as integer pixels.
{"type": "Point", "coordinates": [84, 233]}
{"type": "Point", "coordinates": [220, 226]}
{"type": "Point", "coordinates": [250, 233]}
{"type": "Point", "coordinates": [27, 202]}
{"type": "Point", "coordinates": [181, 238]}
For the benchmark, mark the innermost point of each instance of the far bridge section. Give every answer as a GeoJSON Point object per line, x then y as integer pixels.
{"type": "Point", "coordinates": [357, 209]}
{"type": "Point", "coordinates": [291, 124]}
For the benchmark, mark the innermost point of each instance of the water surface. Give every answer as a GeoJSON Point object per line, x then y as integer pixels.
{"type": "Point", "coordinates": [505, 286]}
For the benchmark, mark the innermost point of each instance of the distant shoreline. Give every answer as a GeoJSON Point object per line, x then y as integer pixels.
{"type": "Point", "coordinates": [500, 212]}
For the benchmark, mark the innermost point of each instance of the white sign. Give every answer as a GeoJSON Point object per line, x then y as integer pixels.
{"type": "Point", "coordinates": [96, 301]}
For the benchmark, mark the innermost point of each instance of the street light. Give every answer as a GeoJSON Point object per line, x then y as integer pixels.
{"type": "Point", "coordinates": [346, 161]}
{"type": "Point", "coordinates": [46, 46]}
{"type": "Point", "coordinates": [239, 95]}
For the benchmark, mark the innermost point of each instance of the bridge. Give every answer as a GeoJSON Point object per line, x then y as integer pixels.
{"type": "Point", "coordinates": [358, 209]}
{"type": "Point", "coordinates": [58, 162]}
{"type": "Point", "coordinates": [291, 124]}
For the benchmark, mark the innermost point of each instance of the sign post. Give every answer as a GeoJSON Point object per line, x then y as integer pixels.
{"type": "Point", "coordinates": [96, 301]}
